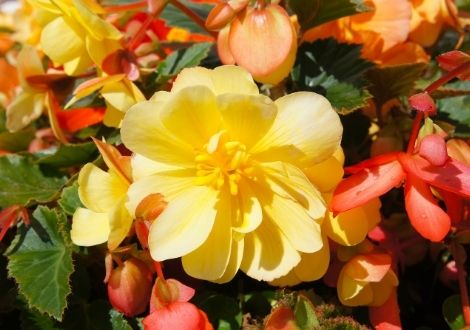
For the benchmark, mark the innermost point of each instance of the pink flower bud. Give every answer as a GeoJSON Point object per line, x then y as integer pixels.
{"type": "Point", "coordinates": [129, 287]}
{"type": "Point", "coordinates": [433, 148]}
{"type": "Point", "coordinates": [423, 102]}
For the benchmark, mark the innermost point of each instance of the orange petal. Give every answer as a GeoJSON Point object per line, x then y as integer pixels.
{"type": "Point", "coordinates": [361, 187]}
{"type": "Point", "coordinates": [281, 318]}
{"type": "Point", "coordinates": [387, 316]}
{"type": "Point", "coordinates": [369, 267]}
{"type": "Point", "coordinates": [77, 119]}
{"type": "Point", "coordinates": [426, 216]}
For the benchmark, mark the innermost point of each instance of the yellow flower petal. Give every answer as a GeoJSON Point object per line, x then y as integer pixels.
{"type": "Point", "coordinates": [98, 50]}
{"type": "Point", "coordinates": [383, 289]}
{"type": "Point", "coordinates": [210, 260]}
{"type": "Point", "coordinates": [62, 40]}
{"type": "Point", "coordinates": [98, 28]}
{"type": "Point", "coordinates": [78, 64]}
{"type": "Point", "coordinates": [193, 113]}
{"type": "Point", "coordinates": [29, 64]}
{"type": "Point", "coordinates": [290, 279]}
{"type": "Point", "coordinates": [234, 263]}
{"type": "Point", "coordinates": [120, 223]}
{"type": "Point", "coordinates": [143, 167]}
{"type": "Point", "coordinates": [306, 131]}
{"type": "Point", "coordinates": [143, 133]}
{"type": "Point", "coordinates": [99, 190]}
{"type": "Point", "coordinates": [184, 225]}
{"type": "Point", "coordinates": [170, 184]}
{"type": "Point", "coordinates": [353, 293]}
{"type": "Point", "coordinates": [325, 175]}
{"type": "Point", "coordinates": [221, 80]}
{"type": "Point", "coordinates": [118, 95]}
{"type": "Point", "coordinates": [313, 266]}
{"type": "Point", "coordinates": [89, 228]}
{"type": "Point", "coordinates": [246, 117]}
{"type": "Point", "coordinates": [25, 108]}
{"type": "Point", "coordinates": [348, 228]}
{"type": "Point", "coordinates": [113, 117]}
{"type": "Point", "coordinates": [247, 208]}
{"type": "Point", "coordinates": [268, 254]}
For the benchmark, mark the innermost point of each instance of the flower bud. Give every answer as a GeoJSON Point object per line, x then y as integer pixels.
{"type": "Point", "coordinates": [129, 287]}
{"type": "Point", "coordinates": [423, 102]}
{"type": "Point", "coordinates": [433, 148]}
{"type": "Point", "coordinates": [220, 16]}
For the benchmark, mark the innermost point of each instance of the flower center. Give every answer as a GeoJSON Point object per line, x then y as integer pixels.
{"type": "Point", "coordinates": [223, 161]}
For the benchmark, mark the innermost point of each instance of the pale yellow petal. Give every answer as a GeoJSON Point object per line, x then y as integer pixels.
{"type": "Point", "coordinates": [288, 181]}
{"type": "Point", "coordinates": [170, 184]}
{"type": "Point", "coordinates": [353, 293]}
{"type": "Point", "coordinates": [29, 64]}
{"type": "Point", "coordinates": [113, 117]}
{"type": "Point", "coordinates": [25, 108]}
{"type": "Point", "coordinates": [192, 113]}
{"type": "Point", "coordinates": [236, 256]}
{"type": "Point", "coordinates": [313, 266]}
{"type": "Point", "coordinates": [221, 80]}
{"type": "Point", "coordinates": [62, 40]}
{"type": "Point", "coordinates": [246, 117]}
{"type": "Point", "coordinates": [100, 191]}
{"type": "Point", "coordinates": [143, 133]}
{"type": "Point", "coordinates": [89, 228]}
{"type": "Point", "coordinates": [78, 65]}
{"type": "Point", "coordinates": [98, 50]}
{"type": "Point", "coordinates": [247, 213]}
{"type": "Point", "coordinates": [292, 219]}
{"type": "Point", "coordinates": [290, 279]}
{"type": "Point", "coordinates": [143, 167]}
{"type": "Point", "coordinates": [98, 28]}
{"type": "Point", "coordinates": [120, 223]}
{"type": "Point", "coordinates": [118, 95]}
{"type": "Point", "coordinates": [325, 175]}
{"type": "Point", "coordinates": [184, 225]}
{"type": "Point", "coordinates": [209, 261]}
{"type": "Point", "coordinates": [347, 228]}
{"type": "Point", "coordinates": [306, 131]}
{"type": "Point", "coordinates": [268, 254]}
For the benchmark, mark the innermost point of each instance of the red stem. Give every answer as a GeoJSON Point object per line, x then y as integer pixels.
{"type": "Point", "coordinates": [140, 33]}
{"type": "Point", "coordinates": [158, 268]}
{"type": "Point", "coordinates": [459, 261]}
{"type": "Point", "coordinates": [414, 133]}
{"type": "Point", "coordinates": [126, 7]}
{"type": "Point", "coordinates": [191, 14]}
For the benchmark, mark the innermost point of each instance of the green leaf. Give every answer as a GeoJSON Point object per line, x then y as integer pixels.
{"type": "Point", "coordinates": [223, 312]}
{"type": "Point", "coordinates": [393, 81]}
{"type": "Point", "coordinates": [329, 10]}
{"type": "Point", "coordinates": [118, 321]}
{"type": "Point", "coordinates": [175, 17]}
{"type": "Point", "coordinates": [40, 260]}
{"type": "Point", "coordinates": [22, 181]}
{"type": "Point", "coordinates": [31, 319]}
{"type": "Point", "coordinates": [452, 310]}
{"type": "Point", "coordinates": [346, 98]}
{"type": "Point", "coordinates": [456, 109]}
{"type": "Point", "coordinates": [335, 70]}
{"type": "Point", "coordinates": [17, 141]}
{"type": "Point", "coordinates": [306, 10]}
{"type": "Point", "coordinates": [183, 58]}
{"type": "Point", "coordinates": [69, 200]}
{"type": "Point", "coordinates": [304, 312]}
{"type": "Point", "coordinates": [67, 155]}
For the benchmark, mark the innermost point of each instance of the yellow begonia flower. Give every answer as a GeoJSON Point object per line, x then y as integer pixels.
{"type": "Point", "coordinates": [105, 217]}
{"type": "Point", "coordinates": [30, 102]}
{"type": "Point", "coordinates": [74, 35]}
{"type": "Point", "coordinates": [228, 160]}
{"type": "Point", "coordinates": [347, 228]}
{"type": "Point", "coordinates": [118, 92]}
{"type": "Point", "coordinates": [366, 280]}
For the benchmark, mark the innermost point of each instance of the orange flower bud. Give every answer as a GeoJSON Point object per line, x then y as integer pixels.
{"type": "Point", "coordinates": [433, 148]}
{"type": "Point", "coordinates": [129, 287]}
{"type": "Point", "coordinates": [220, 16]}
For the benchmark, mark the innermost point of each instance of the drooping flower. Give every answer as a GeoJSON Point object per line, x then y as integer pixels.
{"type": "Point", "coordinates": [228, 160]}
{"type": "Point", "coordinates": [105, 218]}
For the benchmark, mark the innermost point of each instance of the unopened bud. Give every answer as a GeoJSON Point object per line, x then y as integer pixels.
{"type": "Point", "coordinates": [423, 102]}
{"type": "Point", "coordinates": [220, 16]}
{"type": "Point", "coordinates": [433, 148]}
{"type": "Point", "coordinates": [129, 287]}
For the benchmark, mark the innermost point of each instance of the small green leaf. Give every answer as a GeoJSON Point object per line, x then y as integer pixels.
{"type": "Point", "coordinates": [393, 81]}
{"type": "Point", "coordinates": [69, 200]}
{"type": "Point", "coordinates": [304, 312]}
{"type": "Point", "coordinates": [17, 141]}
{"type": "Point", "coordinates": [452, 310]}
{"type": "Point", "coordinates": [118, 321]}
{"type": "Point", "coordinates": [183, 58]}
{"type": "Point", "coordinates": [69, 155]}
{"type": "Point", "coordinates": [222, 311]}
{"type": "Point", "coordinates": [175, 17]}
{"type": "Point", "coordinates": [22, 181]}
{"type": "Point", "coordinates": [40, 260]}
{"type": "Point", "coordinates": [346, 98]}
{"type": "Point", "coordinates": [456, 109]}
{"type": "Point", "coordinates": [329, 10]}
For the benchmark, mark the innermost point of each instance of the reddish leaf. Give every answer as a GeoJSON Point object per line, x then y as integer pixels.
{"type": "Point", "coordinates": [423, 102]}
{"type": "Point", "coordinates": [453, 176]}
{"type": "Point", "coordinates": [426, 216]}
{"type": "Point", "coordinates": [361, 187]}
{"type": "Point", "coordinates": [387, 316]}
{"type": "Point", "coordinates": [281, 318]}
{"type": "Point", "coordinates": [453, 59]}
{"type": "Point", "coordinates": [372, 162]}
{"type": "Point", "coordinates": [177, 315]}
